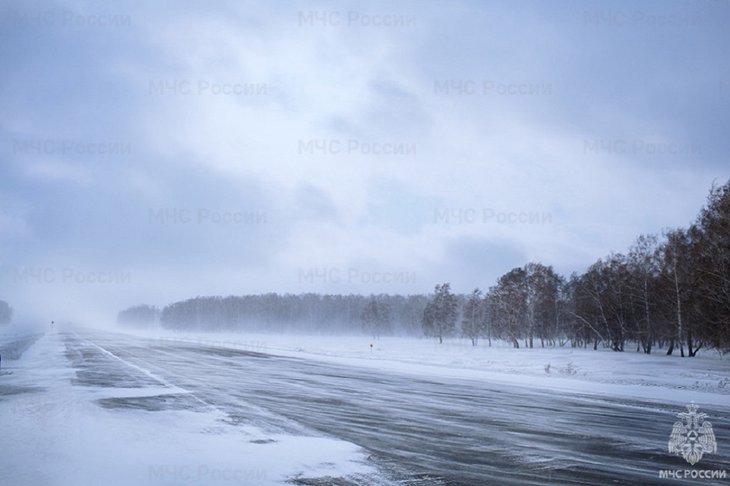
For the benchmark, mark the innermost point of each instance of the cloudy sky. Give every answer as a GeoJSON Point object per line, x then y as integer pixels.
{"type": "Point", "coordinates": [154, 151]}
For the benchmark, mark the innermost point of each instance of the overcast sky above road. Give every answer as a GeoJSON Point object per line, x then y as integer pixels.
{"type": "Point", "coordinates": [155, 152]}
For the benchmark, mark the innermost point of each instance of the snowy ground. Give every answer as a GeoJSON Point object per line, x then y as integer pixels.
{"type": "Point", "coordinates": [671, 379]}
{"type": "Point", "coordinates": [93, 407]}
{"type": "Point", "coordinates": [65, 423]}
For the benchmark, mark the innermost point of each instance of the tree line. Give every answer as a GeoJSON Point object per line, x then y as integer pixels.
{"type": "Point", "coordinates": [670, 292]}
{"type": "Point", "coordinates": [376, 315]}
{"type": "Point", "coordinates": [139, 316]}
{"type": "Point", "coordinates": [6, 312]}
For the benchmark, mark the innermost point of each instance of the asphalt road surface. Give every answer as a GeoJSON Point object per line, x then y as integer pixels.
{"type": "Point", "coordinates": [417, 430]}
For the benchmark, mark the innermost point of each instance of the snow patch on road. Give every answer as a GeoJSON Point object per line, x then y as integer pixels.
{"type": "Point", "coordinates": [56, 433]}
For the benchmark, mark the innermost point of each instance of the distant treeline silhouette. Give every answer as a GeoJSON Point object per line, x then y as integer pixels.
{"type": "Point", "coordinates": [304, 312]}
{"type": "Point", "coordinates": [671, 292]}
{"type": "Point", "coordinates": [6, 312]}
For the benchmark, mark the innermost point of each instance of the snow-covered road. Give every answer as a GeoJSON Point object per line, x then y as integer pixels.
{"type": "Point", "coordinates": [426, 430]}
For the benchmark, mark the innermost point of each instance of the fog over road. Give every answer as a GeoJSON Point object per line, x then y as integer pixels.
{"type": "Point", "coordinates": [418, 429]}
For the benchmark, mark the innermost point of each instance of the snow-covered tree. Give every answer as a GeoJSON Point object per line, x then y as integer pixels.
{"type": "Point", "coordinates": [712, 265]}
{"type": "Point", "coordinates": [643, 263]}
{"type": "Point", "coordinates": [376, 317]}
{"type": "Point", "coordinates": [509, 305]}
{"type": "Point", "coordinates": [473, 323]}
{"type": "Point", "coordinates": [439, 317]}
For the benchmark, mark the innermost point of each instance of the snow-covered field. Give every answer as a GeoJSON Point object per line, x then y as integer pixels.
{"type": "Point", "coordinates": [54, 432]}
{"type": "Point", "coordinates": [704, 378]}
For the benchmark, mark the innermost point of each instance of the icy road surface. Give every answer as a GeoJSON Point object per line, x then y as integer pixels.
{"type": "Point", "coordinates": [415, 429]}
